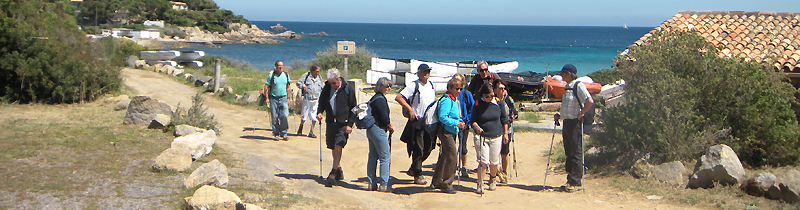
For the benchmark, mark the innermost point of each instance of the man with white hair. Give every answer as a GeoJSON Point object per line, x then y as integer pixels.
{"type": "Point", "coordinates": [277, 89]}
{"type": "Point", "coordinates": [336, 100]}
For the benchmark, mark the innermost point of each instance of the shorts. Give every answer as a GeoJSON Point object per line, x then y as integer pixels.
{"type": "Point", "coordinates": [334, 135]}
{"type": "Point", "coordinates": [489, 151]}
{"type": "Point", "coordinates": [505, 149]}
{"type": "Point", "coordinates": [309, 110]}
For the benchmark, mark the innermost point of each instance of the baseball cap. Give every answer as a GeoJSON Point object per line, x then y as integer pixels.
{"type": "Point", "coordinates": [569, 68]}
{"type": "Point", "coordinates": [424, 67]}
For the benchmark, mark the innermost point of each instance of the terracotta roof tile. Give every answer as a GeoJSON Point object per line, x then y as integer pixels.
{"type": "Point", "coordinates": [754, 36]}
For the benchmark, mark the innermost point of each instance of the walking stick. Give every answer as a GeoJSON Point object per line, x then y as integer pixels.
{"type": "Point", "coordinates": [480, 145]}
{"type": "Point", "coordinates": [550, 152]}
{"type": "Point", "coordinates": [583, 158]}
{"type": "Point", "coordinates": [514, 150]}
{"type": "Point", "coordinates": [256, 120]}
{"type": "Point", "coordinates": [320, 149]}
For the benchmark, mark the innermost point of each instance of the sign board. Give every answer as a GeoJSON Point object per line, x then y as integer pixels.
{"type": "Point", "coordinates": [345, 47]}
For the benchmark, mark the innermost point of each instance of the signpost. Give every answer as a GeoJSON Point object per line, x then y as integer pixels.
{"type": "Point", "coordinates": [345, 48]}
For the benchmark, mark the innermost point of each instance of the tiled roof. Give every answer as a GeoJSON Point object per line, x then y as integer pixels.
{"type": "Point", "coordinates": [769, 38]}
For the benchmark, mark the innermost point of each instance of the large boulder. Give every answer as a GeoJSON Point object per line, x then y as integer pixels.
{"type": "Point", "coordinates": [182, 130]}
{"type": "Point", "coordinates": [671, 173]}
{"type": "Point", "coordinates": [143, 109]}
{"type": "Point", "coordinates": [174, 159]}
{"type": "Point", "coordinates": [251, 96]}
{"type": "Point", "coordinates": [159, 121]}
{"type": "Point", "coordinates": [122, 104]}
{"type": "Point", "coordinates": [176, 72]}
{"type": "Point", "coordinates": [223, 81]}
{"type": "Point", "coordinates": [790, 186]}
{"type": "Point", "coordinates": [212, 173]}
{"type": "Point", "coordinates": [719, 164]}
{"type": "Point", "coordinates": [764, 184]}
{"type": "Point", "coordinates": [198, 144]}
{"type": "Point", "coordinates": [210, 197]}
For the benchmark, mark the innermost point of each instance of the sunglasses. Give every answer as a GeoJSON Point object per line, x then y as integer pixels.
{"type": "Point", "coordinates": [501, 88]}
{"type": "Point", "coordinates": [483, 69]}
{"type": "Point", "coordinates": [488, 96]}
{"type": "Point", "coordinates": [459, 89]}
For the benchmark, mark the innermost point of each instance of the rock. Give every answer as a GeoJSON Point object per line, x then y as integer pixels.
{"type": "Point", "coordinates": [173, 159]}
{"type": "Point", "coordinates": [641, 169]}
{"type": "Point", "coordinates": [251, 96]}
{"type": "Point", "coordinates": [177, 72]}
{"type": "Point", "coordinates": [549, 107]}
{"type": "Point", "coordinates": [212, 173]}
{"type": "Point", "coordinates": [139, 63]}
{"type": "Point", "coordinates": [143, 109]}
{"type": "Point", "coordinates": [223, 81]}
{"type": "Point", "coordinates": [790, 186]}
{"type": "Point", "coordinates": [239, 97]}
{"type": "Point", "coordinates": [182, 130]}
{"type": "Point", "coordinates": [719, 164]}
{"type": "Point", "coordinates": [157, 67]}
{"type": "Point", "coordinates": [159, 121]}
{"type": "Point", "coordinates": [169, 69]}
{"type": "Point", "coordinates": [653, 197]}
{"type": "Point", "coordinates": [202, 80]}
{"type": "Point", "coordinates": [209, 197]}
{"type": "Point", "coordinates": [122, 104]}
{"type": "Point", "coordinates": [131, 61]}
{"type": "Point", "coordinates": [671, 173]}
{"type": "Point", "coordinates": [764, 184]}
{"type": "Point", "coordinates": [198, 144]}
{"type": "Point", "coordinates": [145, 66]}
{"type": "Point", "coordinates": [227, 90]}
{"type": "Point", "coordinates": [188, 76]}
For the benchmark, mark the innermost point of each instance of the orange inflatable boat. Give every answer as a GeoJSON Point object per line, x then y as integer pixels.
{"type": "Point", "coordinates": [556, 87]}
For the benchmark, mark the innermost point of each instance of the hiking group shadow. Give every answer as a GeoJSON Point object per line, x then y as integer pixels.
{"type": "Point", "coordinates": [255, 136]}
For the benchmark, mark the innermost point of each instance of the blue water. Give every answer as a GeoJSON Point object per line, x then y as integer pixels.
{"type": "Point", "coordinates": [534, 47]}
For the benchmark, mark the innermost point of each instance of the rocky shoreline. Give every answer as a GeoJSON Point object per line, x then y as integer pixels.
{"type": "Point", "coordinates": [239, 33]}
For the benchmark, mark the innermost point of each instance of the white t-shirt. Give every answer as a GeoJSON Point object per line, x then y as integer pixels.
{"type": "Point", "coordinates": [570, 109]}
{"type": "Point", "coordinates": [424, 98]}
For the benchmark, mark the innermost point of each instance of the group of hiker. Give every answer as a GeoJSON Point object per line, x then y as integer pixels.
{"type": "Point", "coordinates": [483, 106]}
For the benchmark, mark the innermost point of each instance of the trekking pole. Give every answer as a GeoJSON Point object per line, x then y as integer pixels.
{"type": "Point", "coordinates": [256, 120]}
{"type": "Point", "coordinates": [320, 148]}
{"type": "Point", "coordinates": [549, 153]}
{"type": "Point", "coordinates": [480, 163]}
{"type": "Point", "coordinates": [583, 159]}
{"type": "Point", "coordinates": [514, 150]}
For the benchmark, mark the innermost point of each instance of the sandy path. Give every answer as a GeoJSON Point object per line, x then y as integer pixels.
{"type": "Point", "coordinates": [297, 163]}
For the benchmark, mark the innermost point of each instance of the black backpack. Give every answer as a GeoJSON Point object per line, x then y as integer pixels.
{"type": "Point", "coordinates": [588, 118]}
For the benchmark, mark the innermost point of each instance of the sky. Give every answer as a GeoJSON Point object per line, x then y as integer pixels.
{"type": "Point", "coordinates": [633, 13]}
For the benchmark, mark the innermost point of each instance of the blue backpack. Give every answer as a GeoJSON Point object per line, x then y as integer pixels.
{"type": "Point", "coordinates": [364, 113]}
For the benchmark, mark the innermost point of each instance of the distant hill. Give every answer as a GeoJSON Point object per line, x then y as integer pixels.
{"type": "Point", "coordinates": [119, 13]}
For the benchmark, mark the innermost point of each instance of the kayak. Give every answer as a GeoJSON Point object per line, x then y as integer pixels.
{"type": "Point", "coordinates": [556, 88]}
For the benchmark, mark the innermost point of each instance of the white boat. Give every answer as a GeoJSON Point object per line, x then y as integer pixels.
{"type": "Point", "coordinates": [189, 56]}
{"type": "Point", "coordinates": [159, 55]}
{"type": "Point", "coordinates": [166, 63]}
{"type": "Point", "coordinates": [196, 64]}
{"type": "Point", "coordinates": [614, 94]}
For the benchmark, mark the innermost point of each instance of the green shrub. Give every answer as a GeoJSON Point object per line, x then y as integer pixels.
{"type": "Point", "coordinates": [357, 64]}
{"type": "Point", "coordinates": [605, 76]}
{"type": "Point", "coordinates": [44, 57]}
{"type": "Point", "coordinates": [196, 116]}
{"type": "Point", "coordinates": [681, 98]}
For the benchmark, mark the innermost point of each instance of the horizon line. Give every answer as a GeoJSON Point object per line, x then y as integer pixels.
{"type": "Point", "coordinates": [462, 24]}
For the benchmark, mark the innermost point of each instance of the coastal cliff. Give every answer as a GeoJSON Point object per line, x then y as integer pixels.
{"type": "Point", "coordinates": [239, 33]}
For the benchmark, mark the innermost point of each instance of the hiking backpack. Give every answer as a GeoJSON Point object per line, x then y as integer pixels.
{"type": "Point", "coordinates": [364, 113]}
{"type": "Point", "coordinates": [588, 118]}
{"type": "Point", "coordinates": [431, 117]}
{"type": "Point", "coordinates": [406, 114]}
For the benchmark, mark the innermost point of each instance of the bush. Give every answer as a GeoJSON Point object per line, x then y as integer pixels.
{"type": "Point", "coordinates": [605, 76]}
{"type": "Point", "coordinates": [681, 98]}
{"type": "Point", "coordinates": [44, 57]}
{"type": "Point", "coordinates": [357, 64]}
{"type": "Point", "coordinates": [196, 116]}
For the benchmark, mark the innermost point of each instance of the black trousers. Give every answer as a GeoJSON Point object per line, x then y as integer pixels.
{"type": "Point", "coordinates": [419, 145]}
{"type": "Point", "coordinates": [573, 143]}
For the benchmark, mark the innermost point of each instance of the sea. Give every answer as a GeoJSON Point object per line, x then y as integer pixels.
{"type": "Point", "coordinates": [536, 48]}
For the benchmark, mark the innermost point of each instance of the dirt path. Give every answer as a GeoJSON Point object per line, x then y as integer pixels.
{"type": "Point", "coordinates": [297, 163]}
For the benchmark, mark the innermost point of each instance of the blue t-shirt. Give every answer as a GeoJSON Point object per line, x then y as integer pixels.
{"type": "Point", "coordinates": [277, 84]}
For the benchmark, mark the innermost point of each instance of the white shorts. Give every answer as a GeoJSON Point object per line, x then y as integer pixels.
{"type": "Point", "coordinates": [488, 152]}
{"type": "Point", "coordinates": [309, 110]}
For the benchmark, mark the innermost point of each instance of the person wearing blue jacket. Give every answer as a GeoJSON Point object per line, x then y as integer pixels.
{"type": "Point", "coordinates": [449, 114]}
{"type": "Point", "coordinates": [465, 102]}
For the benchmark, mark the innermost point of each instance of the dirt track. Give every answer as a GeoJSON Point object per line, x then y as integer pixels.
{"type": "Point", "coordinates": [297, 163]}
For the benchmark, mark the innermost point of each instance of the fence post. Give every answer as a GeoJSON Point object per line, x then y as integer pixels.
{"type": "Point", "coordinates": [216, 77]}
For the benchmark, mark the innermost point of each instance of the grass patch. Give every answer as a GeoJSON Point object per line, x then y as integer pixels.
{"type": "Point", "coordinates": [532, 117]}
{"type": "Point", "coordinates": [720, 197]}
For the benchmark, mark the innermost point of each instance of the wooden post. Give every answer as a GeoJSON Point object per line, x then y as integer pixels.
{"type": "Point", "coordinates": [345, 68]}
{"type": "Point", "coordinates": [216, 77]}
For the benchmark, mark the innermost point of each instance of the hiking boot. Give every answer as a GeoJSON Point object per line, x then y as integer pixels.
{"type": "Point", "coordinates": [479, 190]}
{"type": "Point", "coordinates": [311, 134]}
{"type": "Point", "coordinates": [285, 137]}
{"type": "Point", "coordinates": [331, 180]}
{"type": "Point", "coordinates": [420, 180]}
{"type": "Point", "coordinates": [502, 178]}
{"type": "Point", "coordinates": [300, 130]}
{"type": "Point", "coordinates": [339, 174]}
{"type": "Point", "coordinates": [571, 188]}
{"type": "Point", "coordinates": [384, 188]}
{"type": "Point", "coordinates": [447, 189]}
{"type": "Point", "coordinates": [493, 183]}
{"type": "Point", "coordinates": [464, 173]}
{"type": "Point", "coordinates": [373, 187]}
